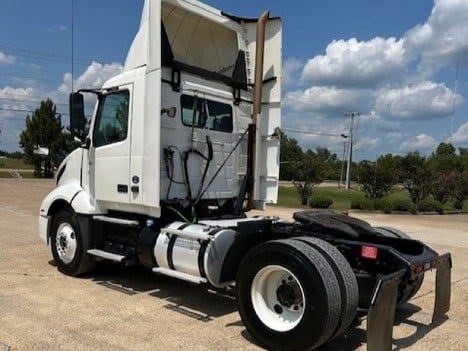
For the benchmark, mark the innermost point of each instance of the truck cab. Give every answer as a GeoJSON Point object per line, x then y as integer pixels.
{"type": "Point", "coordinates": [171, 131]}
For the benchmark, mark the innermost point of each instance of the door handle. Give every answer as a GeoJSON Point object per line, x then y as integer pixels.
{"type": "Point", "coordinates": [135, 189]}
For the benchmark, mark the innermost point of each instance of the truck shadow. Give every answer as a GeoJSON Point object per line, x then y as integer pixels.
{"type": "Point", "coordinates": [355, 337]}
{"type": "Point", "coordinates": [194, 301]}
{"type": "Point", "coordinates": [206, 305]}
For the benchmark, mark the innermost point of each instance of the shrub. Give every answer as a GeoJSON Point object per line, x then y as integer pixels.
{"type": "Point", "coordinates": [402, 204]}
{"type": "Point", "coordinates": [320, 202]}
{"type": "Point", "coordinates": [384, 205]}
{"type": "Point", "coordinates": [362, 204]}
{"type": "Point", "coordinates": [430, 205]}
{"type": "Point", "coordinates": [377, 178]}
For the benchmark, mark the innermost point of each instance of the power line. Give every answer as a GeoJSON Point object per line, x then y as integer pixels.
{"type": "Point", "coordinates": [37, 79]}
{"type": "Point", "coordinates": [310, 132]}
{"type": "Point", "coordinates": [31, 101]}
{"type": "Point", "coordinates": [15, 110]}
{"type": "Point", "coordinates": [42, 55]}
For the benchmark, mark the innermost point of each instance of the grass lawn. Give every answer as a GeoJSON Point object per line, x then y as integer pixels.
{"type": "Point", "coordinates": [8, 175]}
{"type": "Point", "coordinates": [13, 163]}
{"type": "Point", "coordinates": [342, 198]}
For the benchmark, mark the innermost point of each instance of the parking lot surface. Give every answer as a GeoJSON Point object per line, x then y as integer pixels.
{"type": "Point", "coordinates": [130, 308]}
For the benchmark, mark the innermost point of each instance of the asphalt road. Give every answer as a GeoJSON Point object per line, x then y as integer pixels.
{"type": "Point", "coordinates": [125, 308]}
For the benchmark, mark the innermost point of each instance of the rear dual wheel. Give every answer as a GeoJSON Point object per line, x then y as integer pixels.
{"type": "Point", "coordinates": [288, 295]}
{"type": "Point", "coordinates": [346, 281]}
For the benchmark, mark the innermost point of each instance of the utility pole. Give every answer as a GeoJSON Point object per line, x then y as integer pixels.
{"type": "Point", "coordinates": [352, 115]}
{"type": "Point", "coordinates": [72, 44]}
{"type": "Point", "coordinates": [344, 136]}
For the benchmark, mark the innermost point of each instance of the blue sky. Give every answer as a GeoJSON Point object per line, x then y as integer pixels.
{"type": "Point", "coordinates": [392, 61]}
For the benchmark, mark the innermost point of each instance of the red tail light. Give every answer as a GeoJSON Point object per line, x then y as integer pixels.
{"type": "Point", "coordinates": [370, 252]}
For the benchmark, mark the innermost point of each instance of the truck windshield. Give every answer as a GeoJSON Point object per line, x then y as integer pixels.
{"type": "Point", "coordinates": [206, 114]}
{"type": "Point", "coordinates": [112, 119]}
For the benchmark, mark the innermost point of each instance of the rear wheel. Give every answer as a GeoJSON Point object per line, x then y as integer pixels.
{"type": "Point", "coordinates": [288, 295]}
{"type": "Point", "coordinates": [413, 287]}
{"type": "Point", "coordinates": [69, 245]}
{"type": "Point", "coordinates": [346, 280]}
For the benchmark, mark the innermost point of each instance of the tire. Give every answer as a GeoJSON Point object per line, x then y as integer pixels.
{"type": "Point", "coordinates": [346, 280]}
{"type": "Point", "coordinates": [69, 245]}
{"type": "Point", "coordinates": [412, 288]}
{"type": "Point", "coordinates": [288, 296]}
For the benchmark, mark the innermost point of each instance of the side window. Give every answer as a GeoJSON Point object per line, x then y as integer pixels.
{"type": "Point", "coordinates": [206, 114]}
{"type": "Point", "coordinates": [112, 119]}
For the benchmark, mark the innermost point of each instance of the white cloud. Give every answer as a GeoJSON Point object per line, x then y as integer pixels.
{"type": "Point", "coordinates": [357, 63]}
{"type": "Point", "coordinates": [7, 59]}
{"type": "Point", "coordinates": [420, 142]}
{"type": "Point", "coordinates": [394, 137]}
{"type": "Point", "coordinates": [443, 38]}
{"type": "Point", "coordinates": [423, 101]}
{"type": "Point", "coordinates": [461, 135]}
{"type": "Point", "coordinates": [332, 101]}
{"type": "Point", "coordinates": [94, 77]}
{"type": "Point", "coordinates": [292, 68]}
{"type": "Point", "coordinates": [367, 143]}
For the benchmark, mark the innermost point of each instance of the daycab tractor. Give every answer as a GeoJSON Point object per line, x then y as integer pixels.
{"type": "Point", "coordinates": [182, 144]}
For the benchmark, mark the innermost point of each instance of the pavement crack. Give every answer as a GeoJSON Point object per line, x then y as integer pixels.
{"type": "Point", "coordinates": [35, 275]}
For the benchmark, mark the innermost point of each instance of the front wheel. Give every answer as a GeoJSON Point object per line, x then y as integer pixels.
{"type": "Point", "coordinates": [68, 245]}
{"type": "Point", "coordinates": [288, 296]}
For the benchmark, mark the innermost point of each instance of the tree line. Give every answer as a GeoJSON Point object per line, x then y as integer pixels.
{"type": "Point", "coordinates": [441, 176]}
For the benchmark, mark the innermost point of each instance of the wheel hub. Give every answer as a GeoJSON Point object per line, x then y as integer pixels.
{"type": "Point", "coordinates": [289, 294]}
{"type": "Point", "coordinates": [65, 243]}
{"type": "Point", "coordinates": [278, 298]}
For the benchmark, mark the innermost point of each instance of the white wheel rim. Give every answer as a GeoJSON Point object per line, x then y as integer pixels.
{"type": "Point", "coordinates": [65, 242]}
{"type": "Point", "coordinates": [278, 298]}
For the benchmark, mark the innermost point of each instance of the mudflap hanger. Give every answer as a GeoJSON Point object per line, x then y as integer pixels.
{"type": "Point", "coordinates": [381, 314]}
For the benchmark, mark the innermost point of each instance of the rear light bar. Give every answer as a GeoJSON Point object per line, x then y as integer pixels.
{"type": "Point", "coordinates": [425, 266]}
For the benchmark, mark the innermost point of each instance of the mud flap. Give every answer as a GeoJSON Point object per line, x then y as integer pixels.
{"type": "Point", "coordinates": [443, 287]}
{"type": "Point", "coordinates": [382, 312]}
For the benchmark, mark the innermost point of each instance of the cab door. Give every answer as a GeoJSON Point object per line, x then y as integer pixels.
{"type": "Point", "coordinates": [110, 150]}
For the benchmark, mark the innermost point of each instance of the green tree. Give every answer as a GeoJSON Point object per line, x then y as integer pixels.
{"type": "Point", "coordinates": [44, 129]}
{"type": "Point", "coordinates": [416, 175]}
{"type": "Point", "coordinates": [307, 174]}
{"type": "Point", "coordinates": [445, 149]}
{"type": "Point", "coordinates": [378, 178]}
{"type": "Point", "coordinates": [290, 154]}
{"type": "Point", "coordinates": [445, 167]}
{"type": "Point", "coordinates": [460, 189]}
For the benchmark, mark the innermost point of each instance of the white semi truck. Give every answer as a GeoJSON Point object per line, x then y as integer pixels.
{"type": "Point", "coordinates": [181, 145]}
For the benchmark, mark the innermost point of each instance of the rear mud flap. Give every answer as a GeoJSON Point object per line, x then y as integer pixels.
{"type": "Point", "coordinates": [382, 312]}
{"type": "Point", "coordinates": [443, 287]}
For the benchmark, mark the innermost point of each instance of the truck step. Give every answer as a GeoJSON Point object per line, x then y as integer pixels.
{"type": "Point", "coordinates": [106, 254]}
{"type": "Point", "coordinates": [113, 220]}
{"type": "Point", "coordinates": [179, 275]}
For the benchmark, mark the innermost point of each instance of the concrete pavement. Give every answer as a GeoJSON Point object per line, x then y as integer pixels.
{"type": "Point", "coordinates": [128, 308]}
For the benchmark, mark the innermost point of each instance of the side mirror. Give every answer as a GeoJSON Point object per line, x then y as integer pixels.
{"type": "Point", "coordinates": [77, 116]}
